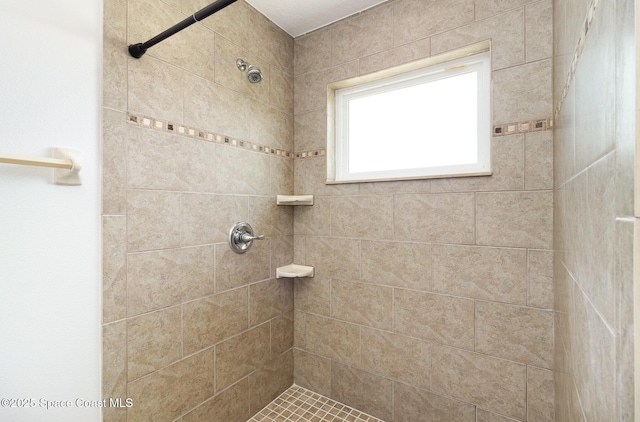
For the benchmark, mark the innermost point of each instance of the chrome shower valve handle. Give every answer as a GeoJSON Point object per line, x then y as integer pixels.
{"type": "Point", "coordinates": [241, 237]}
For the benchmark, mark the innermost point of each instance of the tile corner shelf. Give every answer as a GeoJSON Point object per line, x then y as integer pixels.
{"type": "Point", "coordinates": [294, 199]}
{"type": "Point", "coordinates": [294, 271]}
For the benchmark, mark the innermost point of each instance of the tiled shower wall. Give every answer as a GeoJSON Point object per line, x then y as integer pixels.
{"type": "Point", "coordinates": [432, 299]}
{"type": "Point", "coordinates": [192, 331]}
{"type": "Point", "coordinates": [594, 217]}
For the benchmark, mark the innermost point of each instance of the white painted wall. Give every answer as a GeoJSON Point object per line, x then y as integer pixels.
{"type": "Point", "coordinates": [50, 75]}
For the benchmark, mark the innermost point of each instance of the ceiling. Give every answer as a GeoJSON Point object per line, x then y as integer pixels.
{"type": "Point", "coordinates": [298, 17]}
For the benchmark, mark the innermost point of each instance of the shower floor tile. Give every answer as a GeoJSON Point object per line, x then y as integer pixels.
{"type": "Point", "coordinates": [298, 404]}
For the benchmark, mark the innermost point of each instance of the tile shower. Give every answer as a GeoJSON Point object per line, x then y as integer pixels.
{"type": "Point", "coordinates": [432, 300]}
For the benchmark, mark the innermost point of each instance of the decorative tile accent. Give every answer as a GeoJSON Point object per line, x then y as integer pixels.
{"type": "Point", "coordinates": [302, 405]}
{"type": "Point", "coordinates": [593, 5]}
{"type": "Point", "coordinates": [311, 154]}
{"type": "Point", "coordinates": [522, 127]}
{"type": "Point", "coordinates": [204, 135]}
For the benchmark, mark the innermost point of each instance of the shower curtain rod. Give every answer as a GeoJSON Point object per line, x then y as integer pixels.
{"type": "Point", "coordinates": [138, 50]}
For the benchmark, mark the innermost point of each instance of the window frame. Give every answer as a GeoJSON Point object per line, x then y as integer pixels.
{"type": "Point", "coordinates": [432, 69]}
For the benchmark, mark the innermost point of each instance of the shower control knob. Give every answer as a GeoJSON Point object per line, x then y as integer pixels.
{"type": "Point", "coordinates": [241, 237]}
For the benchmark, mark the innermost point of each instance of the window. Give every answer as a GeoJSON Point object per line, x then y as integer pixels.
{"type": "Point", "coordinates": [428, 122]}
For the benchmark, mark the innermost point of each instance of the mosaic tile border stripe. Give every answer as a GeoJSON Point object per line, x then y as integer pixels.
{"type": "Point", "coordinates": [522, 127]}
{"type": "Point", "coordinates": [593, 5]}
{"type": "Point", "coordinates": [298, 404]}
{"type": "Point", "coordinates": [202, 134]}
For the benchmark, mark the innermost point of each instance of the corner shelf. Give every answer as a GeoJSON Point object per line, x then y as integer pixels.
{"type": "Point", "coordinates": [294, 199]}
{"type": "Point", "coordinates": [294, 271]}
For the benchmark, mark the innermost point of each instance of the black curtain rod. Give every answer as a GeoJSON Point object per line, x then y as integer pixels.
{"type": "Point", "coordinates": [138, 50]}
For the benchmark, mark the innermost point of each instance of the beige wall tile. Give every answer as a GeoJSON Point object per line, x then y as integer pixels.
{"type": "Point", "coordinates": [229, 120]}
{"type": "Point", "coordinates": [268, 42]}
{"type": "Point", "coordinates": [208, 218]}
{"type": "Point", "coordinates": [313, 220]}
{"type": "Point", "coordinates": [337, 340]}
{"type": "Point", "coordinates": [231, 22]}
{"type": "Point", "coordinates": [362, 303]}
{"type": "Point", "coordinates": [437, 318]}
{"type": "Point", "coordinates": [189, 50]}
{"type": "Point", "coordinates": [540, 392]}
{"type": "Point", "coordinates": [539, 30]}
{"type": "Point", "coordinates": [395, 56]}
{"type": "Point", "coordinates": [235, 270]}
{"type": "Point", "coordinates": [163, 278]}
{"type": "Point", "coordinates": [507, 166]}
{"type": "Point", "coordinates": [506, 32]}
{"type": "Point", "coordinates": [281, 252]}
{"type": "Point", "coordinates": [531, 81]}
{"type": "Point", "coordinates": [592, 359]}
{"type": "Point", "coordinates": [517, 219]}
{"type": "Point", "coordinates": [396, 187]}
{"type": "Point", "coordinates": [114, 268]}
{"type": "Point", "coordinates": [157, 160]}
{"type": "Point", "coordinates": [269, 219]}
{"type": "Point", "coordinates": [312, 372]}
{"type": "Point", "coordinates": [269, 381]}
{"type": "Point", "coordinates": [413, 19]}
{"type": "Point", "coordinates": [153, 220]}
{"type": "Point", "coordinates": [313, 295]}
{"type": "Point", "coordinates": [155, 89]}
{"type": "Point", "coordinates": [269, 299]}
{"type": "Point", "coordinates": [369, 217]}
{"type": "Point", "coordinates": [334, 257]}
{"type": "Point", "coordinates": [299, 329]}
{"type": "Point", "coordinates": [428, 218]}
{"type": "Point", "coordinates": [171, 391]}
{"type": "Point", "coordinates": [595, 98]}
{"type": "Point", "coordinates": [154, 280]}
{"type": "Point", "coordinates": [312, 51]}
{"type": "Point", "coordinates": [282, 334]}
{"type": "Point", "coordinates": [231, 405]}
{"type": "Point", "coordinates": [212, 319]}
{"type": "Point", "coordinates": [398, 264]}
{"type": "Point", "coordinates": [310, 130]}
{"type": "Point", "coordinates": [311, 174]}
{"type": "Point", "coordinates": [154, 340]}
{"type": "Point", "coordinates": [229, 76]}
{"type": "Point", "coordinates": [310, 88]}
{"type": "Point", "coordinates": [363, 34]}
{"type": "Point", "coordinates": [399, 357]}
{"type": "Point", "coordinates": [514, 332]}
{"type": "Point", "coordinates": [271, 126]}
{"type": "Point", "coordinates": [281, 91]}
{"type": "Point", "coordinates": [114, 369]}
{"type": "Point", "coordinates": [484, 416]}
{"type": "Point", "coordinates": [114, 162]}
{"type": "Point", "coordinates": [242, 172]}
{"type": "Point", "coordinates": [479, 272]}
{"type": "Point", "coordinates": [238, 356]}
{"type": "Point", "coordinates": [538, 172]}
{"type": "Point", "coordinates": [365, 391]}
{"type": "Point", "coordinates": [413, 404]}
{"type": "Point", "coordinates": [491, 383]}
{"type": "Point", "coordinates": [486, 8]}
{"type": "Point", "coordinates": [281, 176]}
{"type": "Point", "coordinates": [540, 276]}
{"type": "Point", "coordinates": [114, 66]}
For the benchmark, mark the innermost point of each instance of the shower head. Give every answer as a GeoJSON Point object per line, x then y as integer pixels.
{"type": "Point", "coordinates": [254, 75]}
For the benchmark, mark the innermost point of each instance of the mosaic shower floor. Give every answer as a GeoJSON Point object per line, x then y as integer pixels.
{"type": "Point", "coordinates": [298, 404]}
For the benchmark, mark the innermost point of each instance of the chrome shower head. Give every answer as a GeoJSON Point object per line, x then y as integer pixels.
{"type": "Point", "coordinates": [254, 75]}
